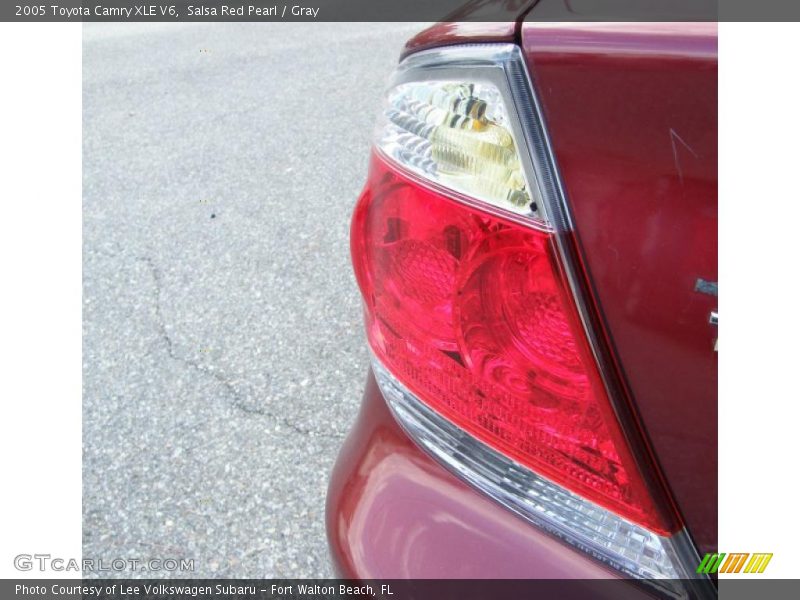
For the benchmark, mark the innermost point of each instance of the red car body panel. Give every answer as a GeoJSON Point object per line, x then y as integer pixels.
{"type": "Point", "coordinates": [632, 114]}
{"type": "Point", "coordinates": [487, 21]}
{"type": "Point", "coordinates": [446, 34]}
{"type": "Point", "coordinates": [632, 118]}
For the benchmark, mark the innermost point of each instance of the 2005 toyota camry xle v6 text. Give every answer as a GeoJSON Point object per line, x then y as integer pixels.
{"type": "Point", "coordinates": [536, 247]}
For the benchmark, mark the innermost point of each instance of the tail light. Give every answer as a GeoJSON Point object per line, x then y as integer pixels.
{"type": "Point", "coordinates": [480, 338]}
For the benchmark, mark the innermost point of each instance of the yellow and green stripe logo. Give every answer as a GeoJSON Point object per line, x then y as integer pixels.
{"type": "Point", "coordinates": [719, 562]}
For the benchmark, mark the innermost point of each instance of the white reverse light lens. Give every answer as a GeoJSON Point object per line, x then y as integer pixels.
{"type": "Point", "coordinates": [457, 134]}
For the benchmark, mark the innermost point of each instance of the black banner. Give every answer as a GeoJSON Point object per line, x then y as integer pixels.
{"type": "Point", "coordinates": [394, 589]}
{"type": "Point", "coordinates": [397, 10]}
{"type": "Point", "coordinates": [324, 589]}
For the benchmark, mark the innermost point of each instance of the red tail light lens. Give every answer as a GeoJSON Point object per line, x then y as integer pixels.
{"type": "Point", "coordinates": [472, 312]}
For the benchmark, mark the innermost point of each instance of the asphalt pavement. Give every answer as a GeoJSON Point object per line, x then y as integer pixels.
{"type": "Point", "coordinates": [223, 355]}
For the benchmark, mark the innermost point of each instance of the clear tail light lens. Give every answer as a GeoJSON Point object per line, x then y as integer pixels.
{"type": "Point", "coordinates": [456, 134]}
{"type": "Point", "coordinates": [471, 313]}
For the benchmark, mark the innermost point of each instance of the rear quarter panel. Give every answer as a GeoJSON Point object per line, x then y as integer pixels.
{"type": "Point", "coordinates": [632, 115]}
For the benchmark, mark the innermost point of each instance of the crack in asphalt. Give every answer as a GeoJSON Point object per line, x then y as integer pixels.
{"type": "Point", "coordinates": [237, 400]}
